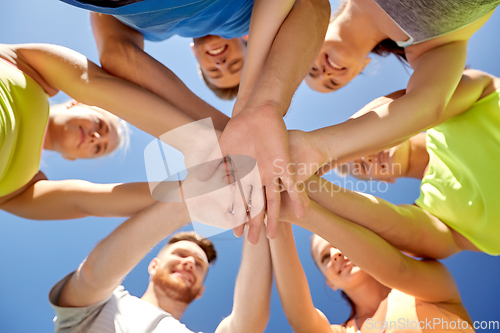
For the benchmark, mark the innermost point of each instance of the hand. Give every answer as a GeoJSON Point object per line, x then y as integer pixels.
{"type": "Point", "coordinates": [261, 133]}
{"type": "Point", "coordinates": [306, 154]}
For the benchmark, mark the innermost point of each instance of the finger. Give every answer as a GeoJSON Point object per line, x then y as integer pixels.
{"type": "Point", "coordinates": [273, 208]}
{"type": "Point", "coordinates": [255, 226]}
{"type": "Point", "coordinates": [238, 231]}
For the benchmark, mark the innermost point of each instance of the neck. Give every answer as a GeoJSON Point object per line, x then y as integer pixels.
{"type": "Point", "coordinates": [418, 157]}
{"type": "Point", "coordinates": [356, 30]}
{"type": "Point", "coordinates": [157, 297]}
{"type": "Point", "coordinates": [367, 298]}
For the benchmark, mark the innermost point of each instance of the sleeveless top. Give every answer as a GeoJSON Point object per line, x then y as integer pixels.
{"type": "Point", "coordinates": [427, 19]}
{"type": "Point", "coordinates": [24, 114]}
{"type": "Point", "coordinates": [161, 19]}
{"type": "Point", "coordinates": [407, 314]}
{"type": "Point", "coordinates": [461, 186]}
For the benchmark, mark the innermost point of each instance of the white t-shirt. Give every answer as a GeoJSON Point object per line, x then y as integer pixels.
{"type": "Point", "coordinates": [120, 313]}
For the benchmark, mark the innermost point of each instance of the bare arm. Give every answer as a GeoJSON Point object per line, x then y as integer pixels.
{"type": "Point", "coordinates": [260, 121]}
{"type": "Point", "coordinates": [430, 89]}
{"type": "Point", "coordinates": [267, 17]}
{"type": "Point", "coordinates": [292, 285]}
{"type": "Point", "coordinates": [71, 199]}
{"type": "Point", "coordinates": [425, 279]}
{"type": "Point", "coordinates": [252, 293]}
{"type": "Point", "coordinates": [115, 256]}
{"type": "Point", "coordinates": [86, 82]}
{"type": "Point", "coordinates": [121, 52]}
{"type": "Point", "coordinates": [473, 86]}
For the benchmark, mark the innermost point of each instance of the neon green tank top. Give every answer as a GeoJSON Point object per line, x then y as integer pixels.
{"type": "Point", "coordinates": [461, 187]}
{"type": "Point", "coordinates": [24, 113]}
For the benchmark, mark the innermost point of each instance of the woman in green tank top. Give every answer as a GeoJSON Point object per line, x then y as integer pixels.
{"type": "Point", "coordinates": [457, 161]}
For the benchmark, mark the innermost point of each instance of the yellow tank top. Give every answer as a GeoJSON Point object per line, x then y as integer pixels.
{"type": "Point", "coordinates": [461, 187]}
{"type": "Point", "coordinates": [24, 113]}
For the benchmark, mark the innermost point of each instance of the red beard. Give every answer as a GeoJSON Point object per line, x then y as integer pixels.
{"type": "Point", "coordinates": [173, 288]}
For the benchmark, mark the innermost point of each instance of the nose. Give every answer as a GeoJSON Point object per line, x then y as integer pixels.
{"type": "Point", "coordinates": [336, 254]}
{"type": "Point", "coordinates": [94, 136]}
{"type": "Point", "coordinates": [220, 62]}
{"type": "Point", "coordinates": [188, 263]}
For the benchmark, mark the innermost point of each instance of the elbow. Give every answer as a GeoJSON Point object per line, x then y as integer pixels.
{"type": "Point", "coordinates": [117, 57]}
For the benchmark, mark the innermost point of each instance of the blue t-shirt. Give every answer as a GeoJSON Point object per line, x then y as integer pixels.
{"type": "Point", "coordinates": [161, 19]}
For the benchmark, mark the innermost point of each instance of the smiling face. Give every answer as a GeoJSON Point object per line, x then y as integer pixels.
{"type": "Point", "coordinates": [179, 271]}
{"type": "Point", "coordinates": [81, 131]}
{"type": "Point", "coordinates": [387, 165]}
{"type": "Point", "coordinates": [339, 271]}
{"type": "Point", "coordinates": [221, 60]}
{"type": "Point", "coordinates": [334, 67]}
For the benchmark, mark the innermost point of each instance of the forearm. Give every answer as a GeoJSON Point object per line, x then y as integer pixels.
{"type": "Point", "coordinates": [252, 293]}
{"type": "Point", "coordinates": [71, 199]}
{"type": "Point", "coordinates": [121, 52]}
{"type": "Point", "coordinates": [267, 18]}
{"type": "Point", "coordinates": [114, 257]}
{"type": "Point", "coordinates": [292, 284]}
{"type": "Point", "coordinates": [427, 280]}
{"type": "Point", "coordinates": [303, 29]}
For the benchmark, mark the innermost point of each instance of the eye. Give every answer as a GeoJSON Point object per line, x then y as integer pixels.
{"type": "Point", "coordinates": [365, 168]}
{"type": "Point", "coordinates": [100, 123]}
{"type": "Point", "coordinates": [97, 149]}
{"type": "Point", "coordinates": [334, 83]}
{"type": "Point", "coordinates": [325, 257]}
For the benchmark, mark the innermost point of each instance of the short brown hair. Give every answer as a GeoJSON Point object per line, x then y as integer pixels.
{"type": "Point", "coordinates": [226, 94]}
{"type": "Point", "coordinates": [204, 243]}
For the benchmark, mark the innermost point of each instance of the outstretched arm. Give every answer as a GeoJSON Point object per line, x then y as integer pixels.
{"type": "Point", "coordinates": [71, 199]}
{"type": "Point", "coordinates": [319, 147]}
{"type": "Point", "coordinates": [69, 71]}
{"type": "Point", "coordinates": [425, 279]}
{"type": "Point", "coordinates": [252, 292]}
{"type": "Point", "coordinates": [260, 120]}
{"type": "Point", "coordinates": [121, 52]}
{"type": "Point", "coordinates": [116, 255]}
{"type": "Point", "coordinates": [436, 76]}
{"type": "Point", "coordinates": [292, 285]}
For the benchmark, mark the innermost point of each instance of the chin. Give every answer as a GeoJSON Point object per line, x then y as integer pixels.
{"type": "Point", "coordinates": [173, 288]}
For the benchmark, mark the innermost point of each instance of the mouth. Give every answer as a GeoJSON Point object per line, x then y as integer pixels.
{"type": "Point", "coordinates": [333, 65]}
{"type": "Point", "coordinates": [82, 136]}
{"type": "Point", "coordinates": [217, 51]}
{"type": "Point", "coordinates": [185, 276]}
{"type": "Point", "coordinates": [347, 264]}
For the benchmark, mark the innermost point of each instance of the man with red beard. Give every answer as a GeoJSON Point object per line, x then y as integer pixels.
{"type": "Point", "coordinates": [91, 299]}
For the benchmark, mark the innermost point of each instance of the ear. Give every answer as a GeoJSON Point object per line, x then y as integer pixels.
{"type": "Point", "coordinates": [367, 61]}
{"type": "Point", "coordinates": [331, 285]}
{"type": "Point", "coordinates": [200, 292]}
{"type": "Point", "coordinates": [192, 48]}
{"type": "Point", "coordinates": [69, 158]}
{"type": "Point", "coordinates": [153, 266]}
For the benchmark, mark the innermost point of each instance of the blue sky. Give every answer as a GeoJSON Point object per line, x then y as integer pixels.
{"type": "Point", "coordinates": [34, 255]}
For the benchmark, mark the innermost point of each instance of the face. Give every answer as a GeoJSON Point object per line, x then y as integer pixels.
{"type": "Point", "coordinates": [180, 271]}
{"type": "Point", "coordinates": [221, 60]}
{"type": "Point", "coordinates": [339, 272]}
{"type": "Point", "coordinates": [387, 165]}
{"type": "Point", "coordinates": [84, 132]}
{"type": "Point", "coordinates": [334, 67]}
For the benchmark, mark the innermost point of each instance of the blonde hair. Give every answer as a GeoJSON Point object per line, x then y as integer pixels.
{"type": "Point", "coordinates": [122, 128]}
